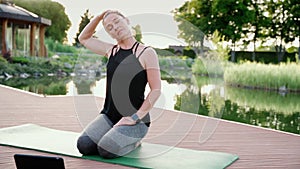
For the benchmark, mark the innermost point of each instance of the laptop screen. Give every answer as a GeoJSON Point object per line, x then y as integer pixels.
{"type": "Point", "coordinates": [25, 161]}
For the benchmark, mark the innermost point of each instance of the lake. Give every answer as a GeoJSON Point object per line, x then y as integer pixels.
{"type": "Point", "coordinates": [199, 95]}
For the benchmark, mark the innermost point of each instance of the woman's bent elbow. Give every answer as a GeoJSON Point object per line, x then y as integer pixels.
{"type": "Point", "coordinates": [156, 93]}
{"type": "Point", "coordinates": [81, 40]}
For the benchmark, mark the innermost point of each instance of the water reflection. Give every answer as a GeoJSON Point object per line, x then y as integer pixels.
{"type": "Point", "coordinates": [43, 85]}
{"type": "Point", "coordinates": [263, 108]}
{"type": "Point", "coordinates": [255, 107]}
{"type": "Point", "coordinates": [97, 88]}
{"type": "Point", "coordinates": [199, 96]}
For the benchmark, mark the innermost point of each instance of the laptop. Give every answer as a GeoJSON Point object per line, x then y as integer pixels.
{"type": "Point", "coordinates": [26, 161]}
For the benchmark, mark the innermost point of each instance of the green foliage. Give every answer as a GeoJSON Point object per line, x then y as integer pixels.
{"type": "Point", "coordinates": [215, 60]}
{"type": "Point", "coordinates": [292, 49]}
{"type": "Point", "coordinates": [55, 46]}
{"type": "Point", "coordinates": [263, 57]}
{"type": "Point", "coordinates": [270, 77]}
{"type": "Point", "coordinates": [199, 68]}
{"type": "Point", "coordinates": [221, 52]}
{"type": "Point", "coordinates": [164, 52]}
{"type": "Point", "coordinates": [21, 60]}
{"type": "Point", "coordinates": [228, 17]}
{"type": "Point", "coordinates": [5, 67]}
{"type": "Point", "coordinates": [209, 67]}
{"type": "Point", "coordinates": [54, 11]}
{"type": "Point", "coordinates": [138, 33]}
{"type": "Point", "coordinates": [194, 18]}
{"type": "Point", "coordinates": [231, 17]}
{"type": "Point", "coordinates": [85, 19]}
{"type": "Point", "coordinates": [173, 62]}
{"type": "Point", "coordinates": [32, 65]}
{"type": "Point", "coordinates": [189, 53]}
{"type": "Point", "coordinates": [56, 89]}
{"type": "Point", "coordinates": [259, 23]}
{"type": "Point", "coordinates": [236, 20]}
{"type": "Point", "coordinates": [2, 59]}
{"type": "Point", "coordinates": [175, 67]}
{"type": "Point", "coordinates": [284, 20]}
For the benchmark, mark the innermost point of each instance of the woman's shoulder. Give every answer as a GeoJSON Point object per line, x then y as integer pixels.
{"type": "Point", "coordinates": [145, 50]}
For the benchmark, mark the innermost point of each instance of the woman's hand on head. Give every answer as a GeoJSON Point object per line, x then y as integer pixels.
{"type": "Point", "coordinates": [101, 16]}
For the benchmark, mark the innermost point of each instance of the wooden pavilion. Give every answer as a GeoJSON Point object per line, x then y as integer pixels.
{"type": "Point", "coordinates": [22, 32]}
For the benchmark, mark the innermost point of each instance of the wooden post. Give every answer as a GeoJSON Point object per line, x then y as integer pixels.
{"type": "Point", "coordinates": [14, 40]}
{"type": "Point", "coordinates": [42, 51]}
{"type": "Point", "coordinates": [4, 28]}
{"type": "Point", "coordinates": [32, 39]}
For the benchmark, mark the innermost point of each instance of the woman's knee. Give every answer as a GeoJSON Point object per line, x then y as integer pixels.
{"type": "Point", "coordinates": [108, 148]}
{"type": "Point", "coordinates": [86, 145]}
{"type": "Point", "coordinates": [105, 153]}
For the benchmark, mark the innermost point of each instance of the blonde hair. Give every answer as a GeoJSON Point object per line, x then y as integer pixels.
{"type": "Point", "coordinates": [113, 12]}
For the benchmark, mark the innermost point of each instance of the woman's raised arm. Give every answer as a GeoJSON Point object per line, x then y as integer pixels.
{"type": "Point", "coordinates": [95, 45]}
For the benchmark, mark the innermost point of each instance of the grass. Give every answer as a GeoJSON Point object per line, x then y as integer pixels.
{"type": "Point", "coordinates": [262, 76]}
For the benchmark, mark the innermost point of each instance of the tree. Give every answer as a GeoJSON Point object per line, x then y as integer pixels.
{"type": "Point", "coordinates": [54, 11]}
{"type": "Point", "coordinates": [221, 52]}
{"type": "Point", "coordinates": [85, 19]}
{"type": "Point", "coordinates": [231, 17]}
{"type": "Point", "coordinates": [228, 17]}
{"type": "Point", "coordinates": [259, 23]}
{"type": "Point", "coordinates": [138, 33]}
{"type": "Point", "coordinates": [195, 21]}
{"type": "Point", "coordinates": [284, 23]}
{"type": "Point", "coordinates": [294, 21]}
{"type": "Point", "coordinates": [241, 20]}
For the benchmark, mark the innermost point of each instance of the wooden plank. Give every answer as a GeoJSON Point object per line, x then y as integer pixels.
{"type": "Point", "coordinates": [257, 147]}
{"type": "Point", "coordinates": [19, 107]}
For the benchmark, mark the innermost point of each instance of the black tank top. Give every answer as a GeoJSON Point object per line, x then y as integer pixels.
{"type": "Point", "coordinates": [125, 84]}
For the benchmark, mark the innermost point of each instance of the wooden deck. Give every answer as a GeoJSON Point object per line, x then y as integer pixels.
{"type": "Point", "coordinates": [256, 147]}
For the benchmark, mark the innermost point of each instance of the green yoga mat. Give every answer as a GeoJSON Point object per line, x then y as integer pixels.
{"type": "Point", "coordinates": [30, 136]}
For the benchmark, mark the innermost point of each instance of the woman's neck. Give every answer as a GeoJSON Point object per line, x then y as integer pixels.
{"type": "Point", "coordinates": [127, 43]}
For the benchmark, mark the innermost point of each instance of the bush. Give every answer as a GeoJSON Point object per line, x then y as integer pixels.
{"type": "Point", "coordinates": [209, 67]}
{"type": "Point", "coordinates": [54, 46]}
{"type": "Point", "coordinates": [20, 59]}
{"type": "Point", "coordinates": [199, 68]}
{"type": "Point", "coordinates": [164, 52]}
{"type": "Point", "coordinates": [6, 68]}
{"type": "Point", "coordinates": [189, 53]}
{"type": "Point", "coordinates": [263, 57]}
{"type": "Point", "coordinates": [2, 59]}
{"type": "Point", "coordinates": [172, 62]}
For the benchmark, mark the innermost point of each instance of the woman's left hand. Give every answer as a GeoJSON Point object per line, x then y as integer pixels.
{"type": "Point", "coordinates": [126, 121]}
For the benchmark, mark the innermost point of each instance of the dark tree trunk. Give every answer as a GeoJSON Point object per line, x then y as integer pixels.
{"type": "Point", "coordinates": [233, 53]}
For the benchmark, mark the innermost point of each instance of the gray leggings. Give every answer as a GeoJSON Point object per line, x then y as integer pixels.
{"type": "Point", "coordinates": [100, 137]}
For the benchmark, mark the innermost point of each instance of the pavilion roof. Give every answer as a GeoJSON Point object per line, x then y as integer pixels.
{"type": "Point", "coordinates": [11, 11]}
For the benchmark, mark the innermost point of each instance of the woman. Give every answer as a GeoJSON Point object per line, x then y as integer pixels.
{"type": "Point", "coordinates": [124, 119]}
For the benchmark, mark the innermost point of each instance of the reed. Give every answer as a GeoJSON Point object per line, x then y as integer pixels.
{"type": "Point", "coordinates": [283, 77]}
